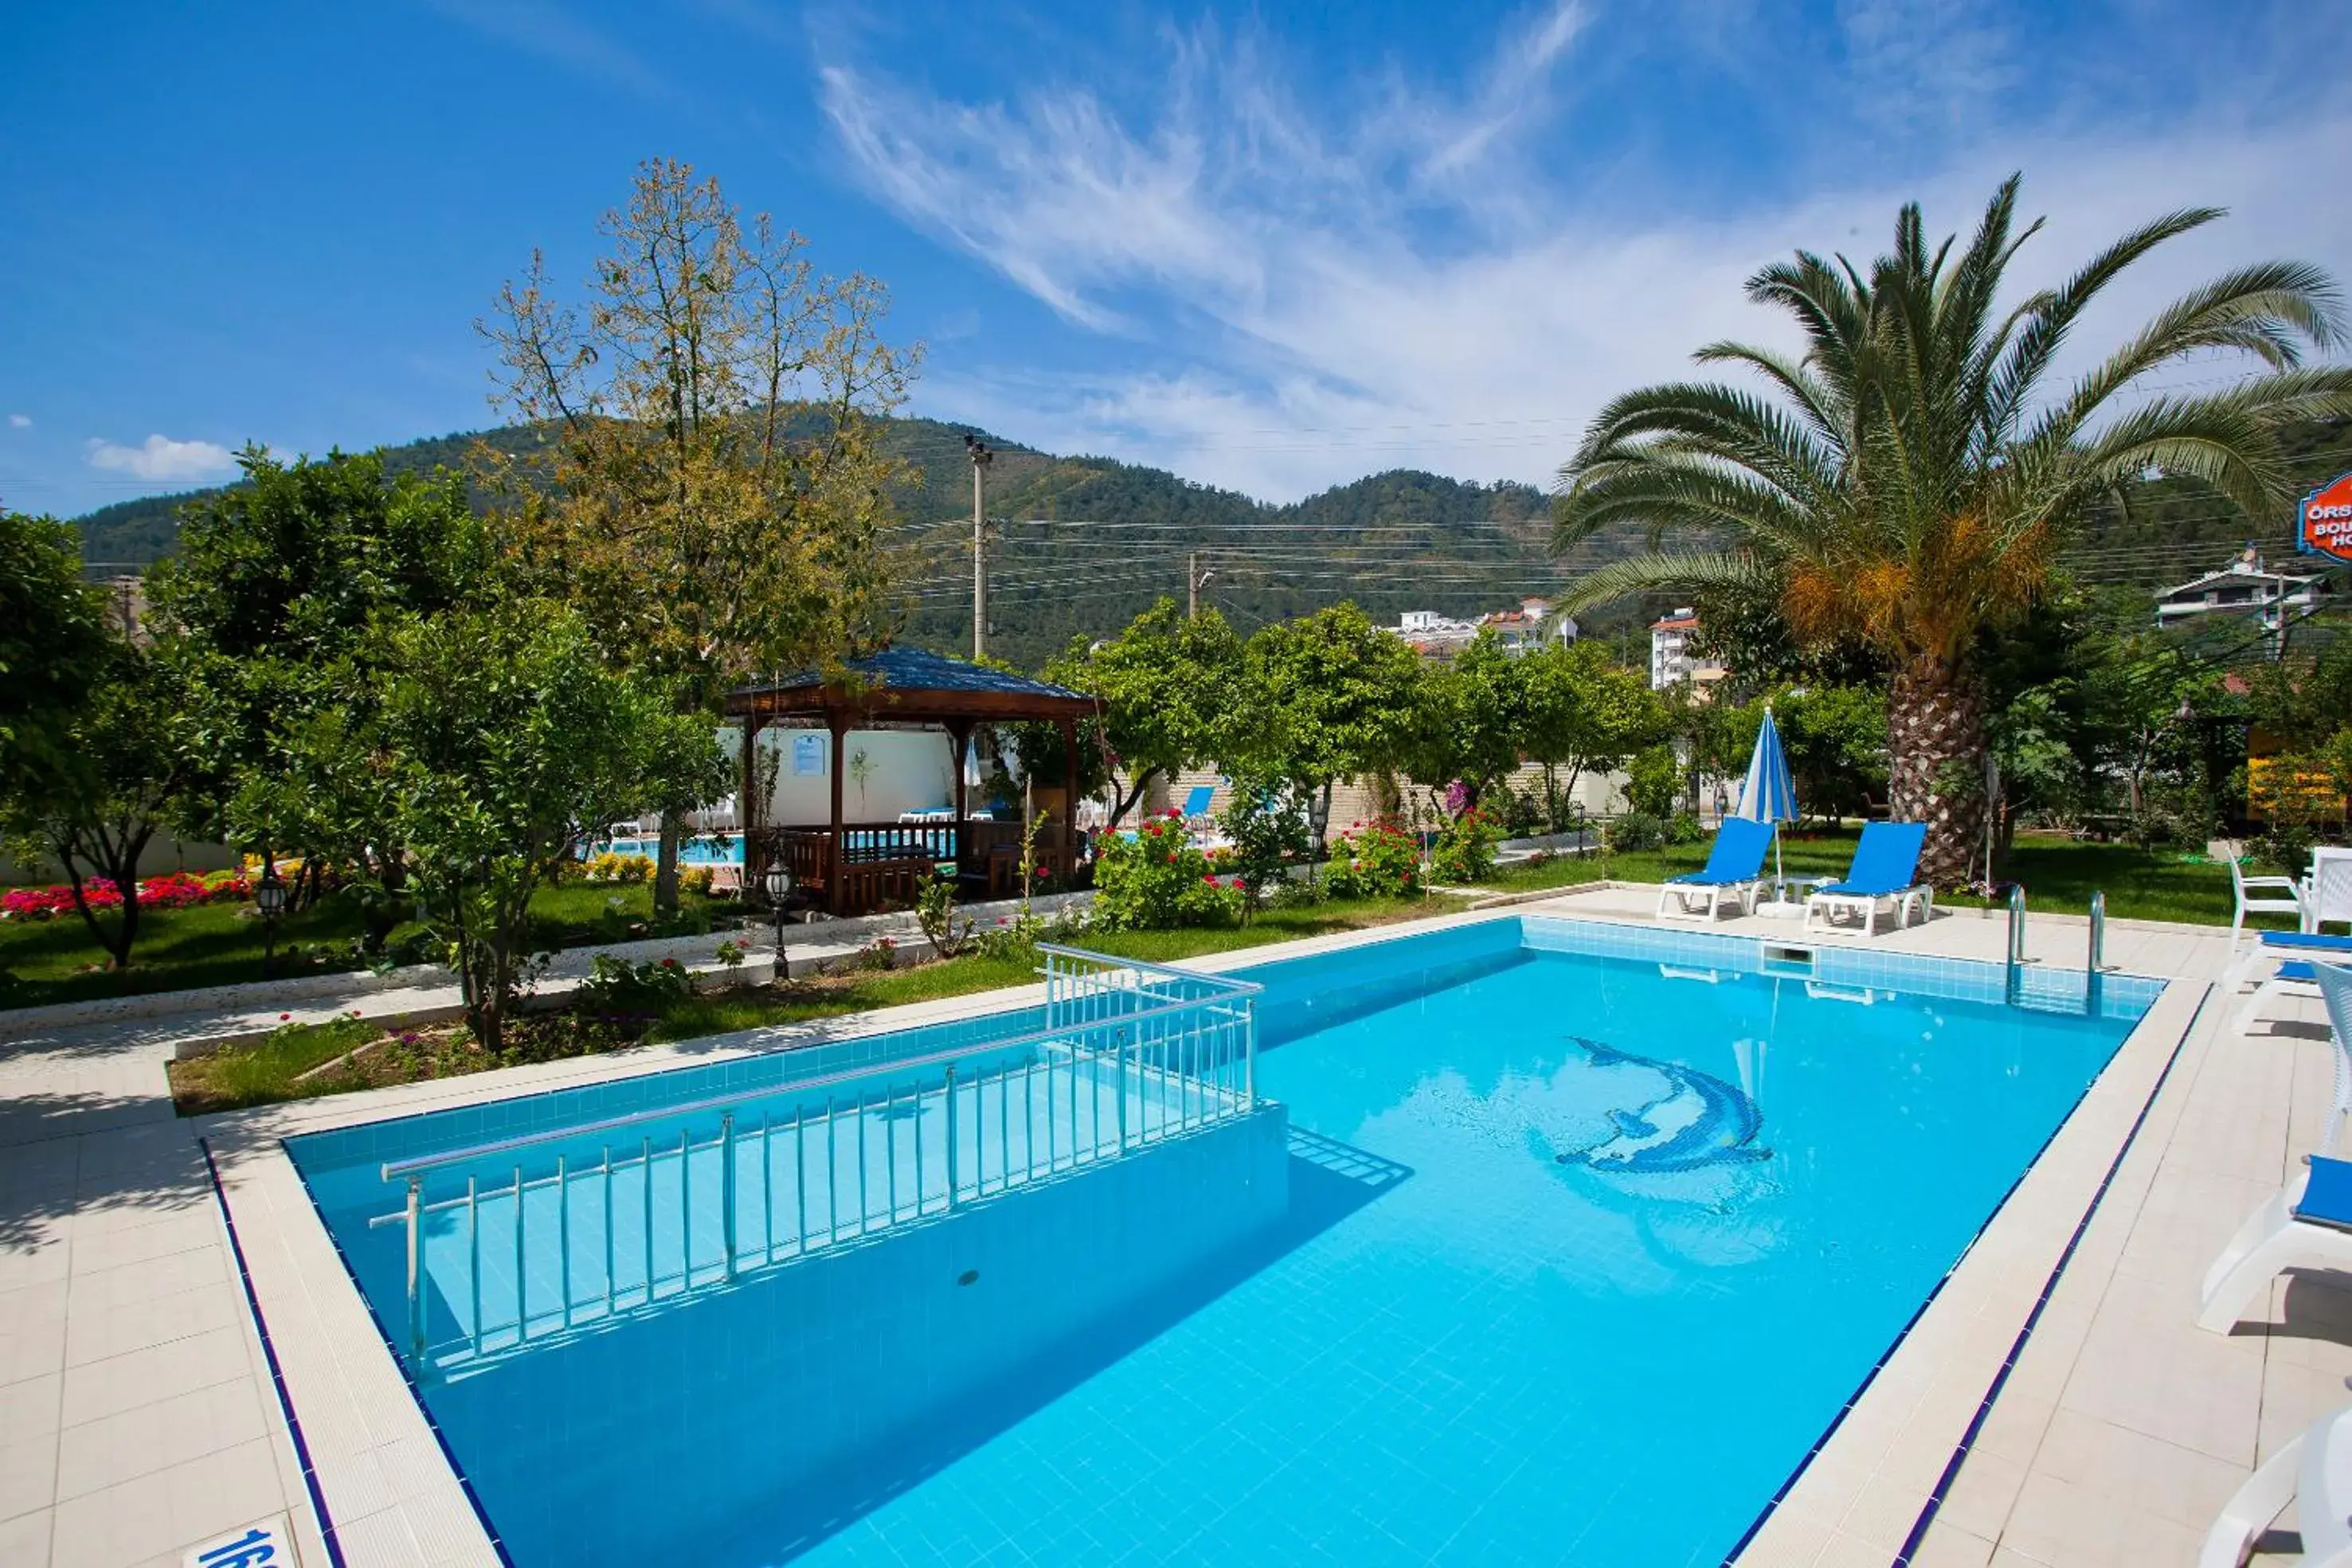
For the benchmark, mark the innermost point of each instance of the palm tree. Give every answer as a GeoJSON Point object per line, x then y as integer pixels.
{"type": "Point", "coordinates": [1912, 477]}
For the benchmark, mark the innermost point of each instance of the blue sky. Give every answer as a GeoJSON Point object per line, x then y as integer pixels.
{"type": "Point", "coordinates": [1271, 248]}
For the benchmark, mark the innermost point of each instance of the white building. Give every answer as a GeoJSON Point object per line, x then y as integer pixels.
{"type": "Point", "coordinates": [1437, 635]}
{"type": "Point", "coordinates": [2242, 587]}
{"type": "Point", "coordinates": [1531, 626]}
{"type": "Point", "coordinates": [1671, 660]}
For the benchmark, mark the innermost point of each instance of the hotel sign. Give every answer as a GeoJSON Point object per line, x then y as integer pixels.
{"type": "Point", "coordinates": [2324, 521]}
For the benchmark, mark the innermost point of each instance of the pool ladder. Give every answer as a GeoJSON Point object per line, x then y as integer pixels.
{"type": "Point", "coordinates": [2094, 960]}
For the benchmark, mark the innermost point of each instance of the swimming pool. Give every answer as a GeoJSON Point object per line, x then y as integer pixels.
{"type": "Point", "coordinates": [1565, 1245]}
{"type": "Point", "coordinates": [712, 848]}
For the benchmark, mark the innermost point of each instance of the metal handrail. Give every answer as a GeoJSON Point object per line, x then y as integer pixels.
{"type": "Point", "coordinates": [1223, 982]}
{"type": "Point", "coordinates": [2097, 960]}
{"type": "Point", "coordinates": [1171, 1067]}
{"type": "Point", "coordinates": [2016, 924]}
{"type": "Point", "coordinates": [394, 1169]}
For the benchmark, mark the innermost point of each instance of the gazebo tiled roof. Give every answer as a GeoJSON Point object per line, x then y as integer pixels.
{"type": "Point", "coordinates": [908, 683]}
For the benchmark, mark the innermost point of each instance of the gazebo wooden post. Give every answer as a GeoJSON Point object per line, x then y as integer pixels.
{"type": "Point", "coordinates": [959, 736]}
{"type": "Point", "coordinates": [747, 812]}
{"type": "Point", "coordinates": [1069, 727]}
{"type": "Point", "coordinates": [838, 723]}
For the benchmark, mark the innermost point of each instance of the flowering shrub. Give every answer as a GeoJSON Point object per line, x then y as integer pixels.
{"type": "Point", "coordinates": [174, 890]}
{"type": "Point", "coordinates": [1014, 938]}
{"type": "Point", "coordinates": [619, 989]}
{"type": "Point", "coordinates": [180, 889]}
{"type": "Point", "coordinates": [1158, 880]}
{"type": "Point", "coordinates": [1375, 860]}
{"type": "Point", "coordinates": [1633, 832]}
{"type": "Point", "coordinates": [1265, 833]}
{"type": "Point", "coordinates": [1464, 849]}
{"type": "Point", "coordinates": [613, 866]}
{"type": "Point", "coordinates": [694, 879]}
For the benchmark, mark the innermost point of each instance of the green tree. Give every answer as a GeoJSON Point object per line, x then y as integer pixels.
{"type": "Point", "coordinates": [1585, 712]}
{"type": "Point", "coordinates": [716, 487]}
{"type": "Point", "coordinates": [119, 778]}
{"type": "Point", "coordinates": [270, 615]}
{"type": "Point", "coordinates": [1836, 739]}
{"type": "Point", "coordinates": [2304, 700]}
{"type": "Point", "coordinates": [1473, 719]}
{"type": "Point", "coordinates": [1325, 698]}
{"type": "Point", "coordinates": [55, 648]}
{"type": "Point", "coordinates": [1916, 477]}
{"type": "Point", "coordinates": [505, 731]}
{"type": "Point", "coordinates": [2140, 703]}
{"type": "Point", "coordinates": [1168, 684]}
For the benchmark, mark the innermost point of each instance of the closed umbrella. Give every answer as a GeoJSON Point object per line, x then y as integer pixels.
{"type": "Point", "coordinates": [1770, 795]}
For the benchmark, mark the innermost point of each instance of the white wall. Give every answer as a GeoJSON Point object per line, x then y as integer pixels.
{"type": "Point", "coordinates": [162, 854]}
{"type": "Point", "coordinates": [908, 770]}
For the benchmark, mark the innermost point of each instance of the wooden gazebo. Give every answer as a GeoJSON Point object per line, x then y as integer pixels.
{"type": "Point", "coordinates": [855, 868]}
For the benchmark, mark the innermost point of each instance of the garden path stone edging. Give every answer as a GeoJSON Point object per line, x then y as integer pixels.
{"type": "Point", "coordinates": [808, 941]}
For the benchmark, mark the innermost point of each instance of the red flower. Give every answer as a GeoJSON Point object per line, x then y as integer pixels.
{"type": "Point", "coordinates": [283, 1017]}
{"type": "Point", "coordinates": [1211, 879]}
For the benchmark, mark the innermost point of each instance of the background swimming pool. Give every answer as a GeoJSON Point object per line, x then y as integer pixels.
{"type": "Point", "coordinates": [1578, 1255]}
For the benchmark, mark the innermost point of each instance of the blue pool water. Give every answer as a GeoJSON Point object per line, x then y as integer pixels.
{"type": "Point", "coordinates": [723, 849]}
{"type": "Point", "coordinates": [1548, 1254]}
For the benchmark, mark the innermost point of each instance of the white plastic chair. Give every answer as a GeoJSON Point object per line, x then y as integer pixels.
{"type": "Point", "coordinates": [2291, 954]}
{"type": "Point", "coordinates": [2307, 1222]}
{"type": "Point", "coordinates": [2241, 884]}
{"type": "Point", "coordinates": [2314, 1473]}
{"type": "Point", "coordinates": [2328, 900]}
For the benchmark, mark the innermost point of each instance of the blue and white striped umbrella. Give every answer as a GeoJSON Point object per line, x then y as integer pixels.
{"type": "Point", "coordinates": [1770, 795]}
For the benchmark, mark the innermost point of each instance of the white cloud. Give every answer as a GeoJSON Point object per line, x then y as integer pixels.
{"type": "Point", "coordinates": [161, 457]}
{"type": "Point", "coordinates": [20, 422]}
{"type": "Point", "coordinates": [551, 32]}
{"type": "Point", "coordinates": [1279, 315]}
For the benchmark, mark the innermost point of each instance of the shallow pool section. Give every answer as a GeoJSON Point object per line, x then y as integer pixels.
{"type": "Point", "coordinates": [1554, 1242]}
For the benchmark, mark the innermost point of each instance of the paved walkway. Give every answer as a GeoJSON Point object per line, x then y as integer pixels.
{"type": "Point", "coordinates": [137, 1416]}
{"type": "Point", "coordinates": [136, 1412]}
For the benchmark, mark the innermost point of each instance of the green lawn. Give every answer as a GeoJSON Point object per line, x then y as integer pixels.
{"type": "Point", "coordinates": [727, 1011]}
{"type": "Point", "coordinates": [270, 1069]}
{"type": "Point", "coordinates": [55, 960]}
{"type": "Point", "coordinates": [2059, 874]}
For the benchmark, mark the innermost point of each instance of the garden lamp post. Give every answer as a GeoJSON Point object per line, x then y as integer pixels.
{"type": "Point", "coordinates": [776, 882]}
{"type": "Point", "coordinates": [269, 898]}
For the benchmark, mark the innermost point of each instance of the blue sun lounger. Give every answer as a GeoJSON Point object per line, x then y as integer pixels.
{"type": "Point", "coordinates": [1886, 868]}
{"type": "Point", "coordinates": [2292, 953]}
{"type": "Point", "coordinates": [1735, 864]}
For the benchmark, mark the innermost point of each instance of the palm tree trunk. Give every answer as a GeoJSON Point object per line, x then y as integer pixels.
{"type": "Point", "coordinates": [1934, 732]}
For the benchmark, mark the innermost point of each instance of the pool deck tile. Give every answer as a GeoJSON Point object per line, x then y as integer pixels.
{"type": "Point", "coordinates": [138, 1416]}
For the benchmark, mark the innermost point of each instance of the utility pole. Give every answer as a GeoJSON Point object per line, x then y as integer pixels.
{"type": "Point", "coordinates": [981, 456]}
{"type": "Point", "coordinates": [1195, 580]}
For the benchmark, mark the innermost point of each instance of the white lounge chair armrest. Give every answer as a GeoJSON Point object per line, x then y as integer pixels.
{"type": "Point", "coordinates": [2288, 882]}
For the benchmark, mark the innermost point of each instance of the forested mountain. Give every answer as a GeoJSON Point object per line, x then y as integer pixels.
{"type": "Point", "coordinates": [1078, 545]}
